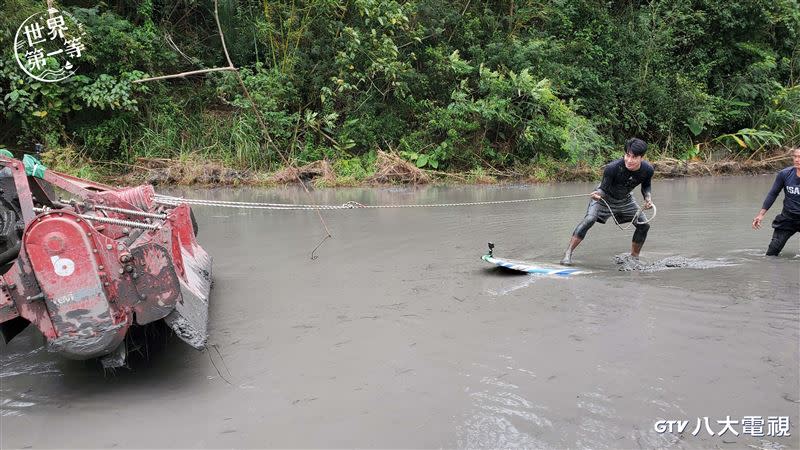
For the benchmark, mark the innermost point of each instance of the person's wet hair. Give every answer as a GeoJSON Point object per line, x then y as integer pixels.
{"type": "Point", "coordinates": [635, 147]}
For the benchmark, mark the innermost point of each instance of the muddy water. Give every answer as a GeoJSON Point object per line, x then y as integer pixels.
{"type": "Point", "coordinates": [398, 335]}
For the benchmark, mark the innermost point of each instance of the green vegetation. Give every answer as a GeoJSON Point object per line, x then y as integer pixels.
{"type": "Point", "coordinates": [469, 86]}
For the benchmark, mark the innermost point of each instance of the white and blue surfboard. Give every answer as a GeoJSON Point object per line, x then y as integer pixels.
{"type": "Point", "coordinates": [525, 267]}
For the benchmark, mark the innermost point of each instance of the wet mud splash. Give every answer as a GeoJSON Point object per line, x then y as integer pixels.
{"type": "Point", "coordinates": [628, 263]}
{"type": "Point", "coordinates": [33, 362]}
{"type": "Point", "coordinates": [22, 365]}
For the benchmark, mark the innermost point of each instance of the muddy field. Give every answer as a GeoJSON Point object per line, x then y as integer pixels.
{"type": "Point", "coordinates": [398, 335]}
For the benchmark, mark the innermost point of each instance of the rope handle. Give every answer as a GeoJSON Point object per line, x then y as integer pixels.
{"type": "Point", "coordinates": [634, 222]}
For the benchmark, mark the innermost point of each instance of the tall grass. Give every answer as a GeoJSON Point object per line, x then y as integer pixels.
{"type": "Point", "coordinates": [232, 138]}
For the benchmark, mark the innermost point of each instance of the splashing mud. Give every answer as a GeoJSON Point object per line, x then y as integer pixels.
{"type": "Point", "coordinates": [33, 362]}
{"type": "Point", "coordinates": [628, 263]}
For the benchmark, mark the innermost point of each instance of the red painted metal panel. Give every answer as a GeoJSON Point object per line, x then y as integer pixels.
{"type": "Point", "coordinates": [71, 271]}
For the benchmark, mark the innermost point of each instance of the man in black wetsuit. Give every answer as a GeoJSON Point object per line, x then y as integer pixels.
{"type": "Point", "coordinates": [787, 222]}
{"type": "Point", "coordinates": [620, 177]}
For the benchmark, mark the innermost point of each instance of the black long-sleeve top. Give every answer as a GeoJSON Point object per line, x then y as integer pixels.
{"type": "Point", "coordinates": [788, 182]}
{"type": "Point", "coordinates": [618, 182]}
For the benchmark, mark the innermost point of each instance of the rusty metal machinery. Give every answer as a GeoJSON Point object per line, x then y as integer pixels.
{"type": "Point", "coordinates": [85, 271]}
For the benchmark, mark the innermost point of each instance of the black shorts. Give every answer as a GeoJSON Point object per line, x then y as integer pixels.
{"type": "Point", "coordinates": [624, 210]}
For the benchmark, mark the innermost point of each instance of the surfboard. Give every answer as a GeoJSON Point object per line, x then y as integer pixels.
{"type": "Point", "coordinates": [527, 267]}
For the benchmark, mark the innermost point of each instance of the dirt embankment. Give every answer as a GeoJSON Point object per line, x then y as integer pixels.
{"type": "Point", "coordinates": [670, 168]}
{"type": "Point", "coordinates": [392, 169]}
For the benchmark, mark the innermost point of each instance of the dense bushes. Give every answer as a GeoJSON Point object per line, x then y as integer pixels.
{"type": "Point", "coordinates": [448, 84]}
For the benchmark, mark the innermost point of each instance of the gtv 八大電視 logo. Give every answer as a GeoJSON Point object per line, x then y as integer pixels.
{"type": "Point", "coordinates": [48, 45]}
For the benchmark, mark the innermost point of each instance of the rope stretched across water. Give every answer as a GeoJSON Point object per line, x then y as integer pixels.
{"type": "Point", "coordinates": [174, 201]}
{"type": "Point", "coordinates": [168, 200]}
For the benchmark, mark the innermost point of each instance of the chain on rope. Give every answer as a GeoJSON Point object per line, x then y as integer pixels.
{"type": "Point", "coordinates": [168, 200]}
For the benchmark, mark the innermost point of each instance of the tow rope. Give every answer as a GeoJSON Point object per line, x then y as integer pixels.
{"type": "Point", "coordinates": [174, 201]}
{"type": "Point", "coordinates": [169, 200]}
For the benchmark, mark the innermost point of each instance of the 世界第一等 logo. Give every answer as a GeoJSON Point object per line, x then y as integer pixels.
{"type": "Point", "coordinates": [48, 45]}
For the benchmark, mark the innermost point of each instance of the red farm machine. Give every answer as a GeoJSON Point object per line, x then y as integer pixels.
{"type": "Point", "coordinates": [87, 267]}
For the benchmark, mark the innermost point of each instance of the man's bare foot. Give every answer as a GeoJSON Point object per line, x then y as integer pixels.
{"type": "Point", "coordinates": [567, 259]}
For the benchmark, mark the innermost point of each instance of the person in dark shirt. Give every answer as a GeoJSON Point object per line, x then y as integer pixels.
{"type": "Point", "coordinates": [620, 177]}
{"type": "Point", "coordinates": [787, 222]}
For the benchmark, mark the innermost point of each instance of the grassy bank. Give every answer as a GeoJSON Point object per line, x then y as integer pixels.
{"type": "Point", "coordinates": [382, 169]}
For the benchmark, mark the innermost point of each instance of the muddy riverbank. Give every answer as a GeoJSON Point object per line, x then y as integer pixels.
{"type": "Point", "coordinates": [393, 170]}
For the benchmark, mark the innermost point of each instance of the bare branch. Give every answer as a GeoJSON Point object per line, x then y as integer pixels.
{"type": "Point", "coordinates": [168, 38]}
{"type": "Point", "coordinates": [222, 36]}
{"type": "Point", "coordinates": [185, 74]}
